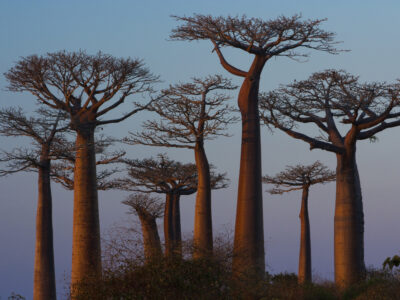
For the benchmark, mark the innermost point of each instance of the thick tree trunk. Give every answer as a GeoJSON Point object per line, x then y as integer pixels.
{"type": "Point", "coordinates": [305, 240]}
{"type": "Point", "coordinates": [203, 235]}
{"type": "Point", "coordinates": [86, 253]}
{"type": "Point", "coordinates": [349, 221]}
{"type": "Point", "coordinates": [249, 228]}
{"type": "Point", "coordinates": [151, 239]}
{"type": "Point", "coordinates": [44, 276]}
{"type": "Point", "coordinates": [176, 224]}
{"type": "Point", "coordinates": [168, 226]}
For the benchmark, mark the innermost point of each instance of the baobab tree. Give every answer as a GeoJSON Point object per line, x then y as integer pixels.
{"type": "Point", "coordinates": [192, 113]}
{"type": "Point", "coordinates": [62, 171]}
{"type": "Point", "coordinates": [263, 40]}
{"type": "Point", "coordinates": [166, 176]}
{"type": "Point", "coordinates": [46, 131]}
{"type": "Point", "coordinates": [363, 109]}
{"type": "Point", "coordinates": [86, 87]}
{"type": "Point", "coordinates": [148, 209]}
{"type": "Point", "coordinates": [301, 177]}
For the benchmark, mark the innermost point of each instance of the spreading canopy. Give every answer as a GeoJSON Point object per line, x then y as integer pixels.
{"type": "Point", "coordinates": [299, 176]}
{"type": "Point", "coordinates": [85, 86]}
{"type": "Point", "coordinates": [333, 101]}
{"type": "Point", "coordinates": [278, 37]}
{"type": "Point", "coordinates": [145, 205]}
{"type": "Point", "coordinates": [46, 131]}
{"type": "Point", "coordinates": [190, 112]}
{"type": "Point", "coordinates": [163, 175]}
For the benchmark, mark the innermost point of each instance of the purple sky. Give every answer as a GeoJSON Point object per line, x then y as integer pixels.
{"type": "Point", "coordinates": [141, 29]}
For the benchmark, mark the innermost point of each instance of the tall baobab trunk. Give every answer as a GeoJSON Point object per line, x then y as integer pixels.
{"type": "Point", "coordinates": [44, 276]}
{"type": "Point", "coordinates": [176, 224]}
{"type": "Point", "coordinates": [249, 228]}
{"type": "Point", "coordinates": [349, 221]}
{"type": "Point", "coordinates": [86, 253]}
{"type": "Point", "coordinates": [305, 240]}
{"type": "Point", "coordinates": [151, 239]}
{"type": "Point", "coordinates": [203, 236]}
{"type": "Point", "coordinates": [168, 226]}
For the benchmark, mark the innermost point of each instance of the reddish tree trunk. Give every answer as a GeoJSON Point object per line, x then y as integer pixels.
{"type": "Point", "coordinates": [168, 226]}
{"type": "Point", "coordinates": [44, 276]}
{"type": "Point", "coordinates": [151, 239]}
{"type": "Point", "coordinates": [203, 236]}
{"type": "Point", "coordinates": [176, 224]}
{"type": "Point", "coordinates": [349, 221]}
{"type": "Point", "coordinates": [249, 228]}
{"type": "Point", "coordinates": [305, 240]}
{"type": "Point", "coordinates": [86, 253]}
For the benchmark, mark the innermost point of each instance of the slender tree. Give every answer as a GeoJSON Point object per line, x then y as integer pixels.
{"type": "Point", "coordinates": [86, 87]}
{"type": "Point", "coordinates": [363, 109]}
{"type": "Point", "coordinates": [190, 114]}
{"type": "Point", "coordinates": [301, 177]}
{"type": "Point", "coordinates": [165, 176]}
{"type": "Point", "coordinates": [263, 40]}
{"type": "Point", "coordinates": [46, 133]}
{"type": "Point", "coordinates": [148, 209]}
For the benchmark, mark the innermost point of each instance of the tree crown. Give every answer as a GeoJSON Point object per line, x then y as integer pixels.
{"type": "Point", "coordinates": [46, 130]}
{"type": "Point", "coordinates": [277, 37]}
{"type": "Point", "coordinates": [81, 84]}
{"type": "Point", "coordinates": [299, 176]}
{"type": "Point", "coordinates": [145, 206]}
{"type": "Point", "coordinates": [190, 112]}
{"type": "Point", "coordinates": [334, 101]}
{"type": "Point", "coordinates": [163, 175]}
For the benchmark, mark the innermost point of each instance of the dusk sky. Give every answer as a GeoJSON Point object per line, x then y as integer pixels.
{"type": "Point", "coordinates": [140, 29]}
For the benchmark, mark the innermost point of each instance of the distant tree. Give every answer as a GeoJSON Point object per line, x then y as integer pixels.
{"type": "Point", "coordinates": [264, 40]}
{"type": "Point", "coordinates": [165, 176]}
{"type": "Point", "coordinates": [148, 209]}
{"type": "Point", "coordinates": [363, 109]}
{"type": "Point", "coordinates": [190, 114]}
{"type": "Point", "coordinates": [301, 177]}
{"type": "Point", "coordinates": [45, 130]}
{"type": "Point", "coordinates": [86, 87]}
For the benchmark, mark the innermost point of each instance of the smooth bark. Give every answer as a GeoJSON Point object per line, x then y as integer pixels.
{"type": "Point", "coordinates": [249, 228]}
{"type": "Point", "coordinates": [349, 221]}
{"type": "Point", "coordinates": [176, 224]}
{"type": "Point", "coordinates": [203, 235]}
{"type": "Point", "coordinates": [151, 239]}
{"type": "Point", "coordinates": [86, 253]}
{"type": "Point", "coordinates": [168, 226]}
{"type": "Point", "coordinates": [44, 275]}
{"type": "Point", "coordinates": [305, 240]}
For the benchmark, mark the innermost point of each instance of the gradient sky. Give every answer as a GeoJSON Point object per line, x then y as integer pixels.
{"type": "Point", "coordinates": [141, 29]}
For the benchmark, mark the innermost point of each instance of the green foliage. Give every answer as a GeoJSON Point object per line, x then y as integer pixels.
{"type": "Point", "coordinates": [391, 262]}
{"type": "Point", "coordinates": [16, 297]}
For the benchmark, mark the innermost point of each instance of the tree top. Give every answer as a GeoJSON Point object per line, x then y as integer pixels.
{"type": "Point", "coordinates": [328, 98]}
{"type": "Point", "coordinates": [299, 176]}
{"type": "Point", "coordinates": [276, 37]}
{"type": "Point", "coordinates": [81, 84]}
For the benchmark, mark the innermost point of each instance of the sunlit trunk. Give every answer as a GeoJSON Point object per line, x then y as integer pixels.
{"type": "Point", "coordinates": [176, 224]}
{"type": "Point", "coordinates": [168, 226]}
{"type": "Point", "coordinates": [151, 239]}
{"type": "Point", "coordinates": [203, 236]}
{"type": "Point", "coordinates": [249, 228]}
{"type": "Point", "coordinates": [349, 221]}
{"type": "Point", "coordinates": [86, 253]}
{"type": "Point", "coordinates": [305, 240]}
{"type": "Point", "coordinates": [44, 276]}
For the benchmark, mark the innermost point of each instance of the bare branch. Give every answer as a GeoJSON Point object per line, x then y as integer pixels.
{"type": "Point", "coordinates": [299, 176]}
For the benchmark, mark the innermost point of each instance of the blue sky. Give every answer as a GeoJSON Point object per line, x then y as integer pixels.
{"type": "Point", "coordinates": [141, 29]}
